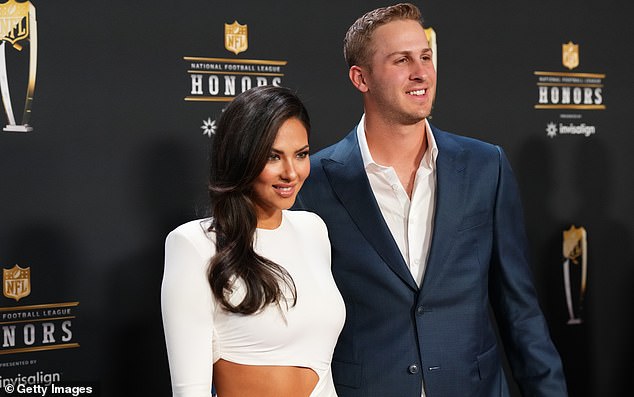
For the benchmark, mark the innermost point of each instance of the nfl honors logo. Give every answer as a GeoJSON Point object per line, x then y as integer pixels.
{"type": "Point", "coordinates": [570, 55]}
{"type": "Point", "coordinates": [567, 90]}
{"type": "Point", "coordinates": [16, 282]}
{"type": "Point", "coordinates": [220, 79]}
{"type": "Point", "coordinates": [236, 38]}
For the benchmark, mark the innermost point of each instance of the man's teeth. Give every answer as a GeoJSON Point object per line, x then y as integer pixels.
{"type": "Point", "coordinates": [417, 92]}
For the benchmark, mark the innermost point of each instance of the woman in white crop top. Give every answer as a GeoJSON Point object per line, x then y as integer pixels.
{"type": "Point", "coordinates": [248, 299]}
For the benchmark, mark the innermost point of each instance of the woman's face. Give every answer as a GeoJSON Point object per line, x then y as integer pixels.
{"type": "Point", "coordinates": [288, 166]}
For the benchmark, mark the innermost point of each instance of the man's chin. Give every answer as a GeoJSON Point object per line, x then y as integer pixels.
{"type": "Point", "coordinates": [415, 119]}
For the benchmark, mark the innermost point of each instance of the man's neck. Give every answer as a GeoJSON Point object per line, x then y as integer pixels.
{"type": "Point", "coordinates": [401, 147]}
{"type": "Point", "coordinates": [396, 145]}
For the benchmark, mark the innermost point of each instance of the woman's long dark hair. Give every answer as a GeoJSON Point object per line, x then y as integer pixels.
{"type": "Point", "coordinates": [240, 149]}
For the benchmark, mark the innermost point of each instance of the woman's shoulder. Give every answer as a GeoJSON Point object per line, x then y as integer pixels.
{"type": "Point", "coordinates": [195, 231]}
{"type": "Point", "coordinates": [305, 217]}
{"type": "Point", "coordinates": [306, 221]}
{"type": "Point", "coordinates": [188, 248]}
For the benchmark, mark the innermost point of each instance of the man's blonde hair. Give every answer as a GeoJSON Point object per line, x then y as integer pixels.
{"type": "Point", "coordinates": [356, 45]}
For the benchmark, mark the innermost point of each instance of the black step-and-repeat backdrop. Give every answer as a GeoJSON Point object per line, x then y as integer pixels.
{"type": "Point", "coordinates": [108, 110]}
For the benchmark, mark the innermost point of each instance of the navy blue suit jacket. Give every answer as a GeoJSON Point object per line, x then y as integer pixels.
{"type": "Point", "coordinates": [396, 335]}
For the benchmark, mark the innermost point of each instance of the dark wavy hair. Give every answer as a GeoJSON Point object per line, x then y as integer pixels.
{"type": "Point", "coordinates": [240, 149]}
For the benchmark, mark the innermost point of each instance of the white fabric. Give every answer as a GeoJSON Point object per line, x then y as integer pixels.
{"type": "Point", "coordinates": [410, 220]}
{"type": "Point", "coordinates": [198, 332]}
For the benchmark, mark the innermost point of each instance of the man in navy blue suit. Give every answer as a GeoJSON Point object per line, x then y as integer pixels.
{"type": "Point", "coordinates": [427, 235]}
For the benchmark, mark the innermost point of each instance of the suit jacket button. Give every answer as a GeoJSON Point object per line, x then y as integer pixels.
{"type": "Point", "coordinates": [412, 369]}
{"type": "Point", "coordinates": [420, 310]}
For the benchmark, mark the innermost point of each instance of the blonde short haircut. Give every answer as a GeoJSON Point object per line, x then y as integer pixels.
{"type": "Point", "coordinates": [357, 49]}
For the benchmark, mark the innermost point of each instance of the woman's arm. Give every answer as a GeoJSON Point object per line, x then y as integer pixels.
{"type": "Point", "coordinates": [187, 307]}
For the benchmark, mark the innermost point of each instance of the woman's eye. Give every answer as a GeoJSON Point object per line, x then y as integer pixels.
{"type": "Point", "coordinates": [302, 155]}
{"type": "Point", "coordinates": [273, 156]}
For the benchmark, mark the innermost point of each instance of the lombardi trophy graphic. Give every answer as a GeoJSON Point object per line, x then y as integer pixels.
{"type": "Point", "coordinates": [17, 27]}
{"type": "Point", "coordinates": [575, 250]}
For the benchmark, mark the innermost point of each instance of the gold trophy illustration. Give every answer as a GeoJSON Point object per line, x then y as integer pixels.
{"type": "Point", "coordinates": [575, 250]}
{"type": "Point", "coordinates": [18, 26]}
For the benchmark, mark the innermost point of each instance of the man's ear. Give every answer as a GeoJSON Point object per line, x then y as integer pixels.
{"type": "Point", "coordinates": [356, 74]}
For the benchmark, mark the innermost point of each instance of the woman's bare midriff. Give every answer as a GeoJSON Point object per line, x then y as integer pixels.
{"type": "Point", "coordinates": [238, 380]}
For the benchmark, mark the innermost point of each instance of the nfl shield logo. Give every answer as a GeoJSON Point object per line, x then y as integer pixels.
{"type": "Point", "coordinates": [14, 21]}
{"type": "Point", "coordinates": [570, 55]}
{"type": "Point", "coordinates": [236, 37]}
{"type": "Point", "coordinates": [16, 282]}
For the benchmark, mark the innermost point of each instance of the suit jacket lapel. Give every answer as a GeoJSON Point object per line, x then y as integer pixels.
{"type": "Point", "coordinates": [349, 181]}
{"type": "Point", "coordinates": [450, 196]}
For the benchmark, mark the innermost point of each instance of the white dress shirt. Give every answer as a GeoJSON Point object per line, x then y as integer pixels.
{"type": "Point", "coordinates": [410, 220]}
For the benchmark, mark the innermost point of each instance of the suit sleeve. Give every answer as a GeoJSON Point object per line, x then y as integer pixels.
{"type": "Point", "coordinates": [534, 360]}
{"type": "Point", "coordinates": [186, 304]}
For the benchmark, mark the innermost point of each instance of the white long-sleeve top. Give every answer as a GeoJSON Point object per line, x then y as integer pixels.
{"type": "Point", "coordinates": [199, 332]}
